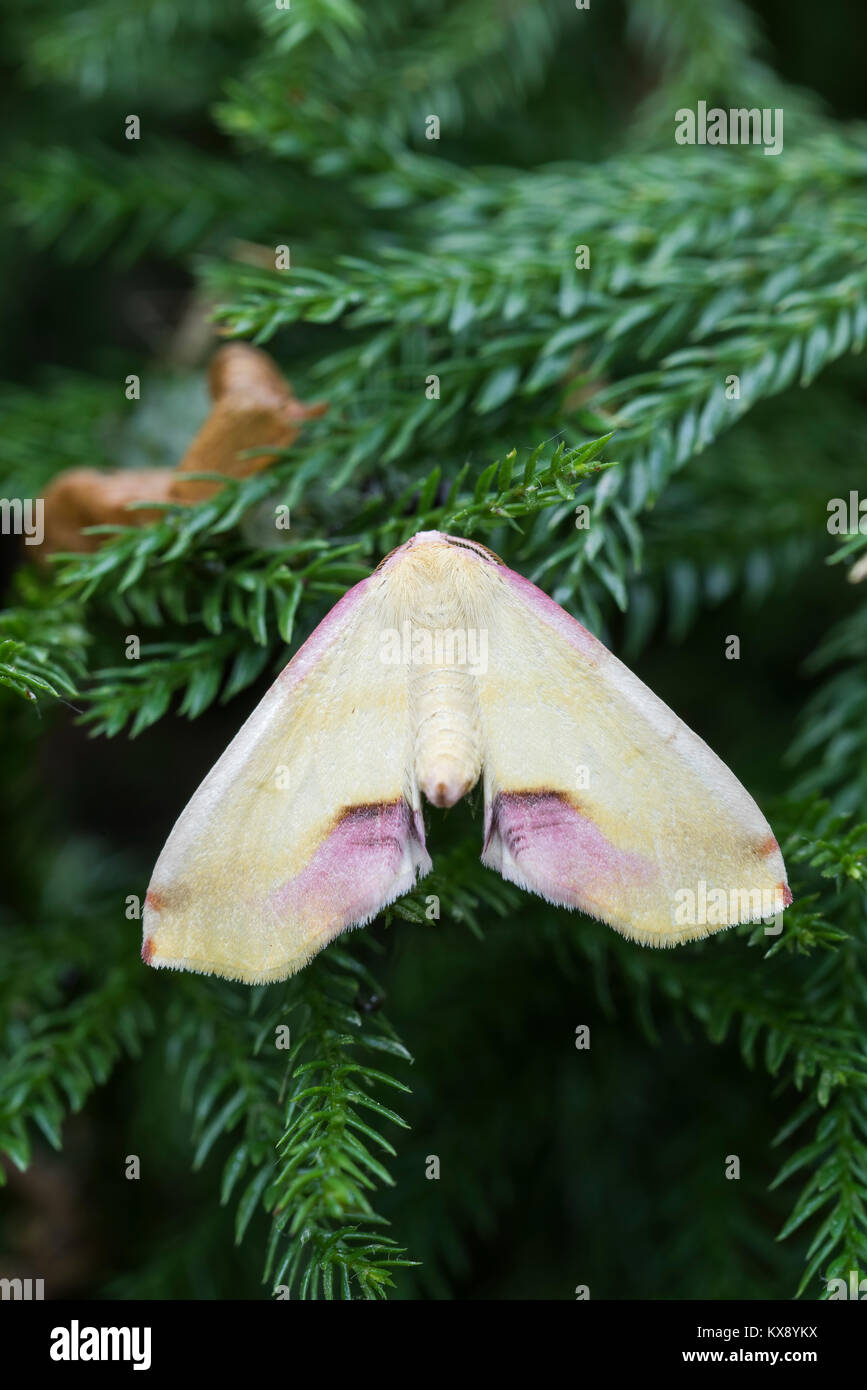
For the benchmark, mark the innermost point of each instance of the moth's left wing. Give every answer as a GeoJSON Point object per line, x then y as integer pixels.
{"type": "Point", "coordinates": [309, 822]}
{"type": "Point", "coordinates": [598, 797]}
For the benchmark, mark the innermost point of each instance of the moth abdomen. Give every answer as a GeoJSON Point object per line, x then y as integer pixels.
{"type": "Point", "coordinates": [447, 742]}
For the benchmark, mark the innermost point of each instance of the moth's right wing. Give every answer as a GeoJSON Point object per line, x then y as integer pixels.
{"type": "Point", "coordinates": [598, 797]}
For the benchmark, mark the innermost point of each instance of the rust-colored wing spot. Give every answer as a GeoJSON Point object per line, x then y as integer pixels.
{"type": "Point", "coordinates": [173, 898]}
{"type": "Point", "coordinates": [786, 892]}
{"type": "Point", "coordinates": [767, 846]}
{"type": "Point", "coordinates": [147, 950]}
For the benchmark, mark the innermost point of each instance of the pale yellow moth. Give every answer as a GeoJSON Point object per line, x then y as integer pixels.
{"type": "Point", "coordinates": [443, 667]}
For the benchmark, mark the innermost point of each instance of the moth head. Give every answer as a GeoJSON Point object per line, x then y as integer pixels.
{"type": "Point", "coordinates": [438, 540]}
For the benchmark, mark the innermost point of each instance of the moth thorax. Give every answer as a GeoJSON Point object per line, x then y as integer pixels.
{"type": "Point", "coordinates": [447, 758]}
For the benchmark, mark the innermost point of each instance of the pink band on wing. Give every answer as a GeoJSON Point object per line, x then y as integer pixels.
{"type": "Point", "coordinates": [561, 853]}
{"type": "Point", "coordinates": [367, 860]}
